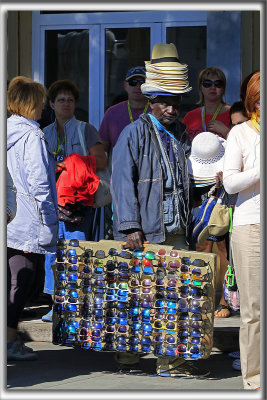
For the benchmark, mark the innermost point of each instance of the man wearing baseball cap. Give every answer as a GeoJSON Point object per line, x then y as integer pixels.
{"type": "Point", "coordinates": [118, 116]}
{"type": "Point", "coordinates": [150, 182]}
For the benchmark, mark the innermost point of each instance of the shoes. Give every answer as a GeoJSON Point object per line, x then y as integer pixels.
{"type": "Point", "coordinates": [236, 365]}
{"type": "Point", "coordinates": [180, 368]}
{"type": "Point", "coordinates": [19, 352]}
{"type": "Point", "coordinates": [48, 317]}
{"type": "Point", "coordinates": [226, 314]}
{"type": "Point", "coordinates": [234, 354]}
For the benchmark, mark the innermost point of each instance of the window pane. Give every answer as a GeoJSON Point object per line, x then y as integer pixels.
{"type": "Point", "coordinates": [191, 46]}
{"type": "Point", "coordinates": [123, 51]}
{"type": "Point", "coordinates": [67, 58]}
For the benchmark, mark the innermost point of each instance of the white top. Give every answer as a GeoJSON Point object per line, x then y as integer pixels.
{"type": "Point", "coordinates": [241, 173]}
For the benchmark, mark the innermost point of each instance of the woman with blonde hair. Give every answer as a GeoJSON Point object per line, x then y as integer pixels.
{"type": "Point", "coordinates": [213, 113]}
{"type": "Point", "coordinates": [241, 175]}
{"type": "Point", "coordinates": [33, 232]}
{"type": "Point", "coordinates": [211, 116]}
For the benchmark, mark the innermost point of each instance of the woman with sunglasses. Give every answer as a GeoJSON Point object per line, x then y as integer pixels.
{"type": "Point", "coordinates": [213, 114]}
{"type": "Point", "coordinates": [33, 232]}
{"type": "Point", "coordinates": [241, 175]}
{"type": "Point", "coordinates": [63, 138]}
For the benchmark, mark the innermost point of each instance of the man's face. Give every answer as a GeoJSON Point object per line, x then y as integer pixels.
{"type": "Point", "coordinates": [133, 88]}
{"type": "Point", "coordinates": [166, 109]}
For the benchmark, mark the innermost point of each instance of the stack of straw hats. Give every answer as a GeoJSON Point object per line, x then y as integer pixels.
{"type": "Point", "coordinates": [165, 74]}
{"type": "Point", "coordinates": [206, 158]}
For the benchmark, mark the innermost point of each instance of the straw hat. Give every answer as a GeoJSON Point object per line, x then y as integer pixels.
{"type": "Point", "coordinates": [206, 158]}
{"type": "Point", "coordinates": [165, 74]}
{"type": "Point", "coordinates": [165, 55]}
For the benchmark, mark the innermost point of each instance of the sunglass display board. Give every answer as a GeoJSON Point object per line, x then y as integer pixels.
{"type": "Point", "coordinates": [158, 300]}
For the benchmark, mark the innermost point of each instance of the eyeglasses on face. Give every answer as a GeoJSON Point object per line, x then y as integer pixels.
{"type": "Point", "coordinates": [134, 82]}
{"type": "Point", "coordinates": [207, 83]}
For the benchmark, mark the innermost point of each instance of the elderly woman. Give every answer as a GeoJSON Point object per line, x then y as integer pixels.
{"type": "Point", "coordinates": [33, 232]}
{"type": "Point", "coordinates": [64, 139]}
{"type": "Point", "coordinates": [213, 114]}
{"type": "Point", "coordinates": [241, 175]}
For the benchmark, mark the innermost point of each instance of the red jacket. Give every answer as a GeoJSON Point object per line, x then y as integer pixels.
{"type": "Point", "coordinates": [77, 181]}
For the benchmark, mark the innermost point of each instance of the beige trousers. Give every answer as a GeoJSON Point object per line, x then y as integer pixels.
{"type": "Point", "coordinates": [246, 259]}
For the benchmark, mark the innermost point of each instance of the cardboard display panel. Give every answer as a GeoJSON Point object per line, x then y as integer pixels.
{"type": "Point", "coordinates": [158, 299]}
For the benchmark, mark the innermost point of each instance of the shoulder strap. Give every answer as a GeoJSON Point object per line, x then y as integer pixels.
{"type": "Point", "coordinates": [81, 138]}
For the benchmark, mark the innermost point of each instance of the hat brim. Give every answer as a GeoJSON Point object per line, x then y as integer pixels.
{"type": "Point", "coordinates": [148, 89]}
{"type": "Point", "coordinates": [132, 76]}
{"type": "Point", "coordinates": [165, 64]}
{"type": "Point", "coordinates": [204, 170]}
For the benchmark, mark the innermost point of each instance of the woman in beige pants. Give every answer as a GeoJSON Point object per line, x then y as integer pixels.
{"type": "Point", "coordinates": [242, 175]}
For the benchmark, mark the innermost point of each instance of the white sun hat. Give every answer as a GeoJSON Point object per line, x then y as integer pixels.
{"type": "Point", "coordinates": [206, 158]}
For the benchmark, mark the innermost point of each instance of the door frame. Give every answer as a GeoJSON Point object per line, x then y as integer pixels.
{"type": "Point", "coordinates": [96, 23]}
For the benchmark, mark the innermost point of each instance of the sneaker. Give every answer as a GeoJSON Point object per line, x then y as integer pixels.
{"type": "Point", "coordinates": [236, 365]}
{"type": "Point", "coordinates": [234, 354]}
{"type": "Point", "coordinates": [48, 317]}
{"type": "Point", "coordinates": [18, 352]}
{"type": "Point", "coordinates": [180, 368]}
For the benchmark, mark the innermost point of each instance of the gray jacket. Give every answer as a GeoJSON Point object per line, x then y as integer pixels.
{"type": "Point", "coordinates": [137, 181]}
{"type": "Point", "coordinates": [32, 168]}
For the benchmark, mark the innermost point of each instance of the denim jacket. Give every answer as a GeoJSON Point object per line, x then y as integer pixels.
{"type": "Point", "coordinates": [137, 181]}
{"type": "Point", "coordinates": [32, 168]}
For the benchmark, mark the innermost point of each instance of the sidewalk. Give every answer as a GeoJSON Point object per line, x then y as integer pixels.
{"type": "Point", "coordinates": [62, 368]}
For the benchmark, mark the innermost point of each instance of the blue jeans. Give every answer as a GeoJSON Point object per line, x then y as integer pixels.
{"type": "Point", "coordinates": [90, 229]}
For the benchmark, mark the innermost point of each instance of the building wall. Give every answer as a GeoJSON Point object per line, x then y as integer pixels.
{"type": "Point", "coordinates": [246, 35]}
{"type": "Point", "coordinates": [19, 43]}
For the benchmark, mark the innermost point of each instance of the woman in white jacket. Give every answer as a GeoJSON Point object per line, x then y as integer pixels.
{"type": "Point", "coordinates": [34, 230]}
{"type": "Point", "coordinates": [241, 175]}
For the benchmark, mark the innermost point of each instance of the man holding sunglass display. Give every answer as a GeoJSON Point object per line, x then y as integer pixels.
{"type": "Point", "coordinates": [150, 184]}
{"type": "Point", "coordinates": [118, 116]}
{"type": "Point", "coordinates": [213, 113]}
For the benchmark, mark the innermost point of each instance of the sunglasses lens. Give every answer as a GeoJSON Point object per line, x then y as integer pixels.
{"type": "Point", "coordinates": [134, 82]}
{"type": "Point", "coordinates": [150, 255]}
{"type": "Point", "coordinates": [100, 254]}
{"type": "Point", "coordinates": [174, 253]}
{"type": "Point", "coordinates": [61, 243]}
{"type": "Point", "coordinates": [162, 252]}
{"type": "Point", "coordinates": [112, 252]}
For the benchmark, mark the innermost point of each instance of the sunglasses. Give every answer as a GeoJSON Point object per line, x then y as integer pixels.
{"type": "Point", "coordinates": [207, 83]}
{"type": "Point", "coordinates": [194, 293]}
{"type": "Point", "coordinates": [194, 352]}
{"type": "Point", "coordinates": [134, 82]}
{"type": "Point", "coordinates": [172, 253]}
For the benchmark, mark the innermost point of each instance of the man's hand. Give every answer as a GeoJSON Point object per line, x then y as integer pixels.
{"type": "Point", "coordinates": [134, 240]}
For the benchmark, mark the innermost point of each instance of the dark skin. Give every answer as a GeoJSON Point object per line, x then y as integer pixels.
{"type": "Point", "coordinates": [166, 110]}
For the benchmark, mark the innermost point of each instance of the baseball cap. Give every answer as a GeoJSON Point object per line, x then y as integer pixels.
{"type": "Point", "coordinates": [135, 71]}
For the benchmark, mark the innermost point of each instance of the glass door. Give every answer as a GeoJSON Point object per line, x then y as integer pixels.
{"type": "Point", "coordinates": [192, 50]}
{"type": "Point", "coordinates": [66, 57]}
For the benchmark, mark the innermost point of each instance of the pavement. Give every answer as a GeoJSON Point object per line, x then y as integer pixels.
{"type": "Point", "coordinates": [62, 369]}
